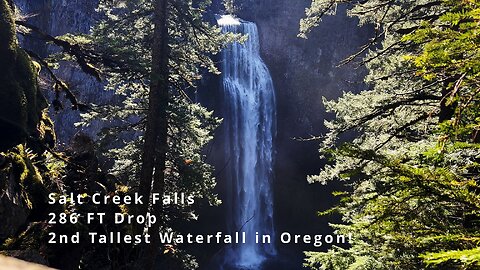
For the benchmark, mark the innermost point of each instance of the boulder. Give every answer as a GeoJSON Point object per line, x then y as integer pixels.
{"type": "Point", "coordinates": [8, 263]}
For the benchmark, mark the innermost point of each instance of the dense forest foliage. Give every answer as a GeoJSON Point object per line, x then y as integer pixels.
{"type": "Point", "coordinates": [407, 147]}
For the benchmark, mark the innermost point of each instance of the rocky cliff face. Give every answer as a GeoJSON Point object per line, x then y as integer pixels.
{"type": "Point", "coordinates": [305, 69]}
{"type": "Point", "coordinates": [303, 72]}
{"type": "Point", "coordinates": [58, 17]}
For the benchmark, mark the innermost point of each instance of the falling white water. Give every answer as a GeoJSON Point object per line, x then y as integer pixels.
{"type": "Point", "coordinates": [250, 127]}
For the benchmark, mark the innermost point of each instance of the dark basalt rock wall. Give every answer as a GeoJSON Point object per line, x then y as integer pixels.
{"type": "Point", "coordinates": [59, 17]}
{"type": "Point", "coordinates": [21, 102]}
{"type": "Point", "coordinates": [304, 71]}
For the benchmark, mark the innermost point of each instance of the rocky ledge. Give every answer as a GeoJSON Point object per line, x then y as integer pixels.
{"type": "Point", "coordinates": [8, 263]}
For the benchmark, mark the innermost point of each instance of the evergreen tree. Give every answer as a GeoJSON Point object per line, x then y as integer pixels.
{"type": "Point", "coordinates": [155, 68]}
{"type": "Point", "coordinates": [411, 170]}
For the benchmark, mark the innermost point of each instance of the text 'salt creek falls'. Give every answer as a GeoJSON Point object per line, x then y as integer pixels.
{"type": "Point", "coordinates": [250, 129]}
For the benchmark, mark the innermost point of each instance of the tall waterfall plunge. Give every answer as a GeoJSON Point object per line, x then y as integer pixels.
{"type": "Point", "coordinates": [249, 108]}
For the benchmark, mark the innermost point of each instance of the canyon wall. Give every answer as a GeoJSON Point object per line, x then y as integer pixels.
{"type": "Point", "coordinates": [59, 17]}
{"type": "Point", "coordinates": [304, 71]}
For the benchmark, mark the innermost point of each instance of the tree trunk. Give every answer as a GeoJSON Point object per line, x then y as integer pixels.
{"type": "Point", "coordinates": [152, 179]}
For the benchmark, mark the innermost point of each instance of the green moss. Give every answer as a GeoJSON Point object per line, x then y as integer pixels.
{"type": "Point", "coordinates": [8, 42]}
{"type": "Point", "coordinates": [47, 130]}
{"type": "Point", "coordinates": [36, 102]}
{"type": "Point", "coordinates": [34, 191]}
{"type": "Point", "coordinates": [22, 102]}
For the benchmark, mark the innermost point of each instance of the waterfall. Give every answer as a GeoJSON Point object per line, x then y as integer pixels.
{"type": "Point", "coordinates": [249, 121]}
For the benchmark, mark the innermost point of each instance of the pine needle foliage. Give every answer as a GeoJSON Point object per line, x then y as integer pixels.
{"type": "Point", "coordinates": [412, 167]}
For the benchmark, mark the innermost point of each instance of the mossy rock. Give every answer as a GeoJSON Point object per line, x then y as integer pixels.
{"type": "Point", "coordinates": [34, 191]}
{"type": "Point", "coordinates": [24, 192]}
{"type": "Point", "coordinates": [20, 185]}
{"type": "Point", "coordinates": [21, 101]}
{"type": "Point", "coordinates": [8, 44]}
